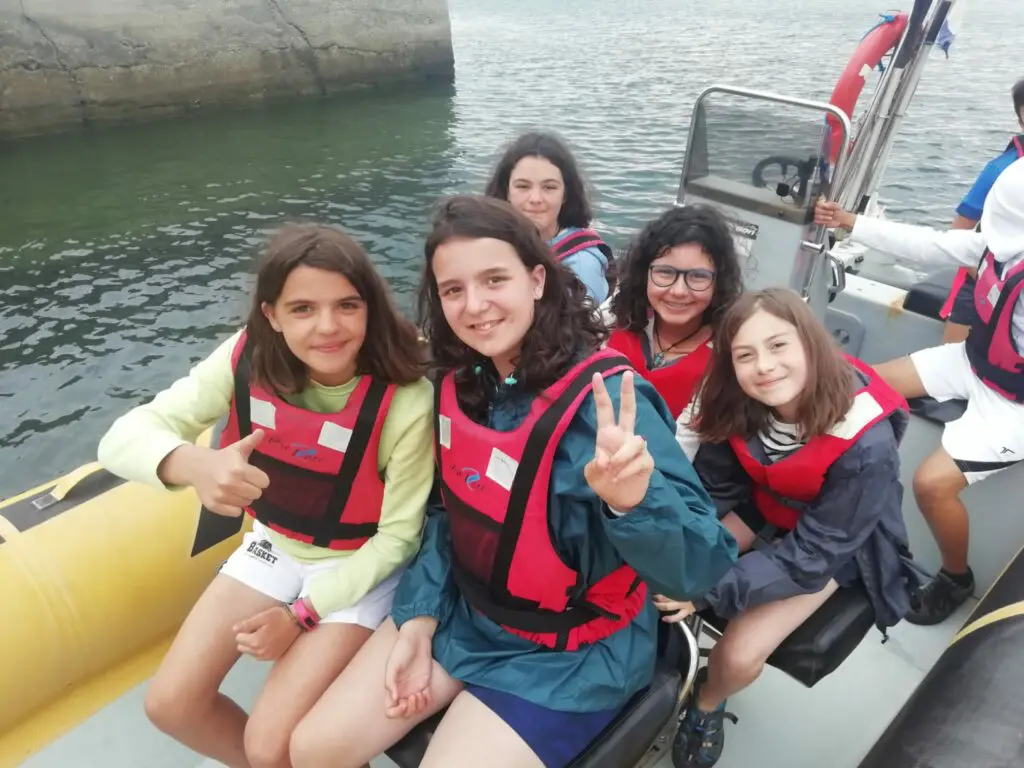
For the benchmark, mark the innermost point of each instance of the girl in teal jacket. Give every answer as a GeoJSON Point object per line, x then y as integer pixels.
{"type": "Point", "coordinates": [506, 322]}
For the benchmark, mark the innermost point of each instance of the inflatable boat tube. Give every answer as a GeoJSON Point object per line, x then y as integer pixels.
{"type": "Point", "coordinates": [97, 576]}
{"type": "Point", "coordinates": [968, 710]}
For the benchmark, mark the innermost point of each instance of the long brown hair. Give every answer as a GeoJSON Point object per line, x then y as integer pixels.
{"type": "Point", "coordinates": [727, 411]}
{"type": "Point", "coordinates": [564, 322]}
{"type": "Point", "coordinates": [391, 351]}
{"type": "Point", "coordinates": [576, 210]}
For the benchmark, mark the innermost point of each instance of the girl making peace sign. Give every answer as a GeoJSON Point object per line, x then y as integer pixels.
{"type": "Point", "coordinates": [526, 610]}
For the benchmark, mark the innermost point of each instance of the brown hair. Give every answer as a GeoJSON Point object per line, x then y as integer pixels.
{"type": "Point", "coordinates": [391, 351]}
{"type": "Point", "coordinates": [565, 325]}
{"type": "Point", "coordinates": [727, 411]}
{"type": "Point", "coordinates": [699, 225]}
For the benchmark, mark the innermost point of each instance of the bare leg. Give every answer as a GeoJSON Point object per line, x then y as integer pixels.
{"type": "Point", "coordinates": [294, 685]}
{"type": "Point", "coordinates": [901, 375]}
{"type": "Point", "coordinates": [954, 332]}
{"type": "Point", "coordinates": [183, 699]}
{"type": "Point", "coordinates": [471, 734]}
{"type": "Point", "coordinates": [347, 726]}
{"type": "Point", "coordinates": [937, 485]}
{"type": "Point", "coordinates": [739, 657]}
{"type": "Point", "coordinates": [740, 531]}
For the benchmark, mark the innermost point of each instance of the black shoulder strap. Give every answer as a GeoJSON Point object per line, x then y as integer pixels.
{"type": "Point", "coordinates": [533, 454]}
{"type": "Point", "coordinates": [355, 454]}
{"type": "Point", "coordinates": [243, 380]}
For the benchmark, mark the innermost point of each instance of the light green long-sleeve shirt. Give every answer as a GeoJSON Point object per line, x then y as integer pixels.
{"type": "Point", "coordinates": [137, 442]}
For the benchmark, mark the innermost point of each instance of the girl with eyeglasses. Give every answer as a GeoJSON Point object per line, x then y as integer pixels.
{"type": "Point", "coordinates": [679, 273]}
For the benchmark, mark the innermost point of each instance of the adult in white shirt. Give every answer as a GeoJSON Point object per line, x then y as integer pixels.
{"type": "Point", "coordinates": [986, 370]}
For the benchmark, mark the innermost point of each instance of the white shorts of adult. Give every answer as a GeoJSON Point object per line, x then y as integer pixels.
{"type": "Point", "coordinates": [989, 437]}
{"type": "Point", "coordinates": [265, 568]}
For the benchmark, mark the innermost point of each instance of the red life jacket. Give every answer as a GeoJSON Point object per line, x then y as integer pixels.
{"type": "Point", "coordinates": [990, 346]}
{"type": "Point", "coordinates": [799, 476]}
{"type": "Point", "coordinates": [495, 487]}
{"type": "Point", "coordinates": [325, 488]}
{"type": "Point", "coordinates": [1017, 144]}
{"type": "Point", "coordinates": [574, 242]}
{"type": "Point", "coordinates": [676, 381]}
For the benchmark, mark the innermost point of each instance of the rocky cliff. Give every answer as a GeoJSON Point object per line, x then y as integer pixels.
{"type": "Point", "coordinates": [64, 62]}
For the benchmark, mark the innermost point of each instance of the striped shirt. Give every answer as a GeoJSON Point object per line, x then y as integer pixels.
{"type": "Point", "coordinates": [780, 439]}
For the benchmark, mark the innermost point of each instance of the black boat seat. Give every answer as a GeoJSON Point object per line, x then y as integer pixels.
{"type": "Point", "coordinates": [927, 296]}
{"type": "Point", "coordinates": [627, 738]}
{"type": "Point", "coordinates": [940, 413]}
{"type": "Point", "coordinates": [819, 645]}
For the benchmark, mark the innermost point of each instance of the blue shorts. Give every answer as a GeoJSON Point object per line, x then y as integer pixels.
{"type": "Point", "coordinates": [555, 737]}
{"type": "Point", "coordinates": [964, 312]}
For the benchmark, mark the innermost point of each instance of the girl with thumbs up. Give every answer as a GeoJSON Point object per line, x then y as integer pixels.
{"type": "Point", "coordinates": [563, 496]}
{"type": "Point", "coordinates": [328, 447]}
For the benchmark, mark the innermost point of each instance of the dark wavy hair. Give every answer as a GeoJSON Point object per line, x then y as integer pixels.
{"type": "Point", "coordinates": [1017, 93]}
{"type": "Point", "coordinates": [391, 351]}
{"type": "Point", "coordinates": [565, 325]}
{"type": "Point", "coordinates": [692, 224]}
{"type": "Point", "coordinates": [727, 411]}
{"type": "Point", "coordinates": [576, 210]}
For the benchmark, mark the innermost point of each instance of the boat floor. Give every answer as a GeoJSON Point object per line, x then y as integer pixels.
{"type": "Point", "coordinates": [781, 723]}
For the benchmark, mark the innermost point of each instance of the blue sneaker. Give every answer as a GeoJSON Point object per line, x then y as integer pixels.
{"type": "Point", "coordinates": [701, 736]}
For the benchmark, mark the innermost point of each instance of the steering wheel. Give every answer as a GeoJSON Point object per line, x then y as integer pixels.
{"type": "Point", "coordinates": [794, 182]}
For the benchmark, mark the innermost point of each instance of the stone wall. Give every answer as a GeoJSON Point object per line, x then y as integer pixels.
{"type": "Point", "coordinates": [67, 62]}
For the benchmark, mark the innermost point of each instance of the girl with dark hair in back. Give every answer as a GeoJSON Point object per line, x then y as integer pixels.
{"type": "Point", "coordinates": [678, 276]}
{"type": "Point", "coordinates": [540, 177]}
{"type": "Point", "coordinates": [563, 495]}
{"type": "Point", "coordinates": [798, 449]}
{"type": "Point", "coordinates": [328, 447]}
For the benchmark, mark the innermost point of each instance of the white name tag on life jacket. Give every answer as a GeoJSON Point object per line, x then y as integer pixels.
{"type": "Point", "coordinates": [502, 469]}
{"type": "Point", "coordinates": [864, 410]}
{"type": "Point", "coordinates": [444, 431]}
{"type": "Point", "coordinates": [993, 295]}
{"type": "Point", "coordinates": [261, 412]}
{"type": "Point", "coordinates": [334, 437]}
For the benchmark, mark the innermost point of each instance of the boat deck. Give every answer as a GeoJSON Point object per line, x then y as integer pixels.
{"type": "Point", "coordinates": [782, 724]}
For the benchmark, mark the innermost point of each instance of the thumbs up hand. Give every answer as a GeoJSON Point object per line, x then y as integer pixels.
{"type": "Point", "coordinates": [226, 482]}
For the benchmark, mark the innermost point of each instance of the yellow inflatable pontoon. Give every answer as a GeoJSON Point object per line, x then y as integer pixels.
{"type": "Point", "coordinates": [97, 575]}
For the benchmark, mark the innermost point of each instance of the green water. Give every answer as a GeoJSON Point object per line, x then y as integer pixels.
{"type": "Point", "coordinates": [125, 253]}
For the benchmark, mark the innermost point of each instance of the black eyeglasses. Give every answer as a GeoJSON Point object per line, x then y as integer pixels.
{"type": "Point", "coordinates": [664, 276]}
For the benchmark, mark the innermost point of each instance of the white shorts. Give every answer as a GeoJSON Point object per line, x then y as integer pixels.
{"type": "Point", "coordinates": [989, 437]}
{"type": "Point", "coordinates": [265, 568]}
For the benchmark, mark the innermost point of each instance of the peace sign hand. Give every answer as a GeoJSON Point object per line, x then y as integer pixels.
{"type": "Point", "coordinates": [621, 469]}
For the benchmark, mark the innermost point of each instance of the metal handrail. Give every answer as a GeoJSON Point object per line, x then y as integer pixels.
{"type": "Point", "coordinates": [775, 98]}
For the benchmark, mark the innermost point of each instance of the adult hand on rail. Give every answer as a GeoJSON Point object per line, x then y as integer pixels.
{"type": "Point", "coordinates": [833, 216]}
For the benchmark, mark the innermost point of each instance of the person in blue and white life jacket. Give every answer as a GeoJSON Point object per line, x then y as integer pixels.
{"type": "Point", "coordinates": [527, 608]}
{"type": "Point", "coordinates": [798, 448]}
{"type": "Point", "coordinates": [986, 370]}
{"type": "Point", "coordinates": [958, 311]}
{"type": "Point", "coordinates": [539, 176]}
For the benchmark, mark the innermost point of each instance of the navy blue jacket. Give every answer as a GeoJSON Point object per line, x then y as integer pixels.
{"type": "Point", "coordinates": [852, 530]}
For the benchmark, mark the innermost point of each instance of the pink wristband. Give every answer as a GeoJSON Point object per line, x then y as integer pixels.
{"type": "Point", "coordinates": [304, 614]}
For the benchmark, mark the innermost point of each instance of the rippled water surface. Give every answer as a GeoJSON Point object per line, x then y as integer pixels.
{"type": "Point", "coordinates": [125, 254]}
